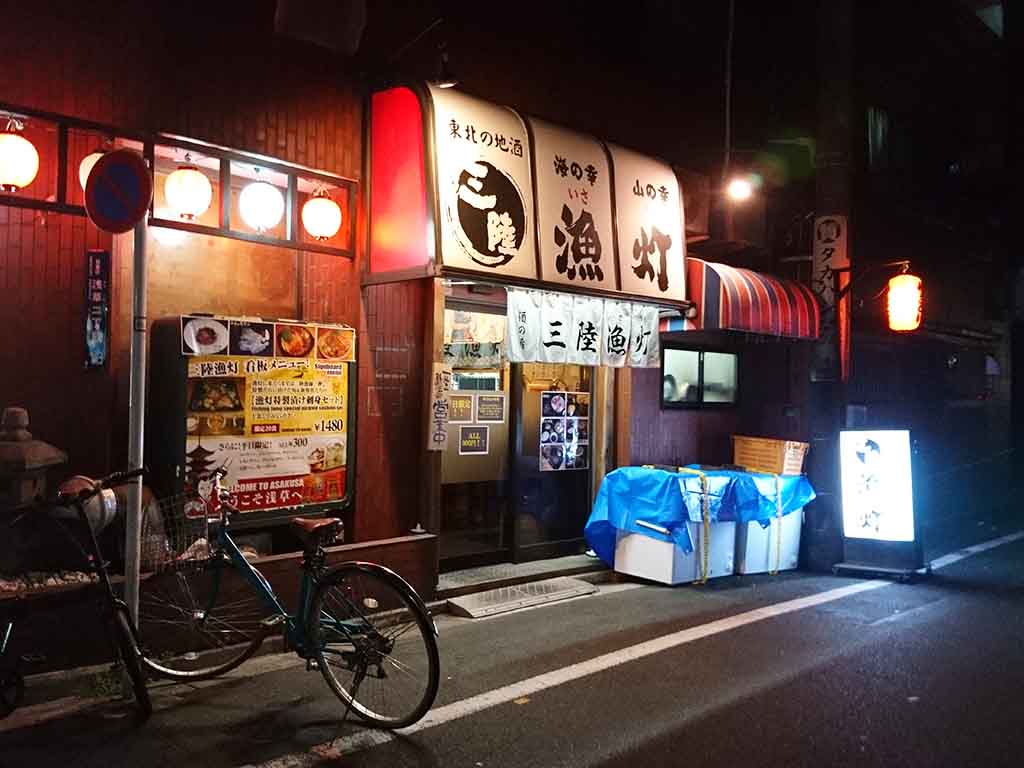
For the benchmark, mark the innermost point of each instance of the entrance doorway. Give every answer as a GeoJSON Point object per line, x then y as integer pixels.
{"type": "Point", "coordinates": [516, 474]}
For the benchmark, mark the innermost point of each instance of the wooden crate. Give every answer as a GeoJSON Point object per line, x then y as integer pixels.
{"type": "Point", "coordinates": [764, 454]}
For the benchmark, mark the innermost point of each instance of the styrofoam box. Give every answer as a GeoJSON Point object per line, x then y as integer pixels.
{"type": "Point", "coordinates": [756, 546]}
{"type": "Point", "coordinates": [663, 561]}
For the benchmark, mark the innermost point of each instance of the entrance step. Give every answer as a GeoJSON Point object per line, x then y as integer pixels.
{"type": "Point", "coordinates": [483, 578]}
{"type": "Point", "coordinates": [518, 596]}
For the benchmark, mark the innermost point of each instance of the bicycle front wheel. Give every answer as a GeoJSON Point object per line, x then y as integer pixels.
{"type": "Point", "coordinates": [374, 642]}
{"type": "Point", "coordinates": [128, 646]}
{"type": "Point", "coordinates": [199, 619]}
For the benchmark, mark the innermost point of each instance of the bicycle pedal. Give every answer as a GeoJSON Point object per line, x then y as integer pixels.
{"type": "Point", "coordinates": [272, 622]}
{"type": "Point", "coordinates": [312, 665]}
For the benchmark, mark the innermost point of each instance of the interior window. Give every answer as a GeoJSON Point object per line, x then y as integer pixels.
{"type": "Point", "coordinates": [690, 377]}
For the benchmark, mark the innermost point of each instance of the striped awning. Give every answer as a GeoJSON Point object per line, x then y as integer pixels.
{"type": "Point", "coordinates": [729, 298]}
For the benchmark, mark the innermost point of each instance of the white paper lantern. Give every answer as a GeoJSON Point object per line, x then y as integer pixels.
{"type": "Point", "coordinates": [188, 192]}
{"type": "Point", "coordinates": [261, 205]}
{"type": "Point", "coordinates": [85, 167]}
{"type": "Point", "coordinates": [321, 216]}
{"type": "Point", "coordinates": [19, 162]}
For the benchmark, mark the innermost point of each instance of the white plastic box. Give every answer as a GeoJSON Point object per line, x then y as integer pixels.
{"type": "Point", "coordinates": [662, 561]}
{"type": "Point", "coordinates": [756, 550]}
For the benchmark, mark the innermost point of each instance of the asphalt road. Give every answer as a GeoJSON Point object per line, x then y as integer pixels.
{"type": "Point", "coordinates": [855, 673]}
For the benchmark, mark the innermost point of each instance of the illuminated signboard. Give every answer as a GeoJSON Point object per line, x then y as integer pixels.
{"type": "Point", "coordinates": [484, 186]}
{"type": "Point", "coordinates": [878, 496]}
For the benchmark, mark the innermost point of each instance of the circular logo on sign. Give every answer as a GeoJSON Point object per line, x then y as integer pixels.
{"type": "Point", "coordinates": [489, 215]}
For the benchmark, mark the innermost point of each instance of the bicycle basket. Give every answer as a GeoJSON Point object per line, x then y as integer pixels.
{"type": "Point", "coordinates": [175, 534]}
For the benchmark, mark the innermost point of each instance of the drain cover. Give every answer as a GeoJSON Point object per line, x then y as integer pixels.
{"type": "Point", "coordinates": [519, 596]}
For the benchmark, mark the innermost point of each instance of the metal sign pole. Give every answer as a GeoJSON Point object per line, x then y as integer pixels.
{"type": "Point", "coordinates": [136, 422]}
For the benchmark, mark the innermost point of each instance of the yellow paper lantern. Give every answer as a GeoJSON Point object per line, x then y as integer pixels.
{"type": "Point", "coordinates": [188, 192]}
{"type": "Point", "coordinates": [904, 302]}
{"type": "Point", "coordinates": [321, 216]}
{"type": "Point", "coordinates": [19, 162]}
{"type": "Point", "coordinates": [261, 205]}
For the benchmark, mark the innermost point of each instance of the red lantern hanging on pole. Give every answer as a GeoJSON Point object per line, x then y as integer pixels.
{"type": "Point", "coordinates": [904, 303]}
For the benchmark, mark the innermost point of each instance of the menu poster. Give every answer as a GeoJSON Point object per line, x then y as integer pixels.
{"type": "Point", "coordinates": [564, 431]}
{"type": "Point", "coordinates": [279, 426]}
{"type": "Point", "coordinates": [460, 409]}
{"type": "Point", "coordinates": [97, 308]}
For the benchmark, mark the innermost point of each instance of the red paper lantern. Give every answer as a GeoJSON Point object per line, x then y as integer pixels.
{"type": "Point", "coordinates": [904, 303]}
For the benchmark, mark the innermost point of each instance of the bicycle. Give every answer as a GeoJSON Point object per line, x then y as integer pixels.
{"type": "Point", "coordinates": [204, 609]}
{"type": "Point", "coordinates": [112, 610]}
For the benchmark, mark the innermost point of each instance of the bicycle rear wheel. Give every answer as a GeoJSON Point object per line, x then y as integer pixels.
{"type": "Point", "coordinates": [199, 619]}
{"type": "Point", "coordinates": [128, 646]}
{"type": "Point", "coordinates": [374, 642]}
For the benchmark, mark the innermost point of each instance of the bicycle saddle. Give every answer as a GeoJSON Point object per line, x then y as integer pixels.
{"type": "Point", "coordinates": [317, 528]}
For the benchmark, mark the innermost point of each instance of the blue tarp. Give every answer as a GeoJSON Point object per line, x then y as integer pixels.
{"type": "Point", "coordinates": [670, 499]}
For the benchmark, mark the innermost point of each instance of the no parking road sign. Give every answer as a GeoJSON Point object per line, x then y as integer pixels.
{"type": "Point", "coordinates": [119, 191]}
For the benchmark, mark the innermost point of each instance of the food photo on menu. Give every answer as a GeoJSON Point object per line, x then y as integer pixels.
{"type": "Point", "coordinates": [215, 406]}
{"type": "Point", "coordinates": [577, 404]}
{"type": "Point", "coordinates": [553, 404]}
{"type": "Point", "coordinates": [334, 343]}
{"type": "Point", "coordinates": [204, 336]}
{"type": "Point", "coordinates": [577, 430]}
{"type": "Point", "coordinates": [294, 341]}
{"type": "Point", "coordinates": [577, 456]}
{"type": "Point", "coordinates": [552, 430]}
{"type": "Point", "coordinates": [252, 339]}
{"type": "Point", "coordinates": [552, 457]}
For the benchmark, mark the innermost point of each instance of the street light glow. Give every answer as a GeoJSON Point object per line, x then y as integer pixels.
{"type": "Point", "coordinates": [739, 190]}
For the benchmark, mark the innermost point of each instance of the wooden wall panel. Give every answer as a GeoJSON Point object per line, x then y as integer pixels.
{"type": "Point", "coordinates": [391, 421]}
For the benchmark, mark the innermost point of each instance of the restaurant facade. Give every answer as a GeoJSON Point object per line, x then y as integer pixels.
{"type": "Point", "coordinates": [492, 326]}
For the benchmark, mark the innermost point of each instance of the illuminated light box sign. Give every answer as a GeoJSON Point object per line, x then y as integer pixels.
{"type": "Point", "coordinates": [509, 196]}
{"type": "Point", "coordinates": [879, 528]}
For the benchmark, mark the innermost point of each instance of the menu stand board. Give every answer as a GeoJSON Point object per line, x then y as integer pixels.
{"type": "Point", "coordinates": [880, 534]}
{"type": "Point", "coordinates": [272, 402]}
{"type": "Point", "coordinates": [564, 431]}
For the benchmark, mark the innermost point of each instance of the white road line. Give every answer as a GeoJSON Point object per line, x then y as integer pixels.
{"type": "Point", "coordinates": [533, 685]}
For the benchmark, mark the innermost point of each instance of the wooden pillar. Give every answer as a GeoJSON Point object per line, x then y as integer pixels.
{"type": "Point", "coordinates": [433, 342]}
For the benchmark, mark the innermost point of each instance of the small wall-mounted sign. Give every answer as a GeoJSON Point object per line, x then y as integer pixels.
{"type": "Point", "coordinates": [473, 440]}
{"type": "Point", "coordinates": [97, 308]}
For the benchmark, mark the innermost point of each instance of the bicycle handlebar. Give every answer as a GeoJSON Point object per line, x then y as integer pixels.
{"type": "Point", "coordinates": [117, 478]}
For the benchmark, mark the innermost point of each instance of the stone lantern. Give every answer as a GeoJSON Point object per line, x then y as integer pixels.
{"type": "Point", "coordinates": [24, 462]}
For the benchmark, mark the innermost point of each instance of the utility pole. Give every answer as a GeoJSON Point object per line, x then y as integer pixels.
{"type": "Point", "coordinates": [827, 403]}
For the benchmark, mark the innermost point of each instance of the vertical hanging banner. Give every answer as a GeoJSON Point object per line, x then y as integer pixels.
{"type": "Point", "coordinates": [523, 331]}
{"type": "Point", "coordinates": [97, 308]}
{"type": "Point", "coordinates": [618, 320]}
{"type": "Point", "coordinates": [484, 186]}
{"type": "Point", "coordinates": [644, 349]}
{"type": "Point", "coordinates": [574, 208]}
{"type": "Point", "coordinates": [556, 330]}
{"type": "Point", "coordinates": [649, 221]}
{"type": "Point", "coordinates": [440, 388]}
{"type": "Point", "coordinates": [830, 260]}
{"type": "Point", "coordinates": [587, 327]}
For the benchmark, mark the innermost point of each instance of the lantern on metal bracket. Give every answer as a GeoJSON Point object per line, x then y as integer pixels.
{"type": "Point", "coordinates": [19, 160]}
{"type": "Point", "coordinates": [188, 191]}
{"type": "Point", "coordinates": [261, 204]}
{"type": "Point", "coordinates": [321, 216]}
{"type": "Point", "coordinates": [904, 302]}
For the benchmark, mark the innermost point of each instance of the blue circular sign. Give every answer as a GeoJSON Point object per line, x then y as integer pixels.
{"type": "Point", "coordinates": [119, 191]}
